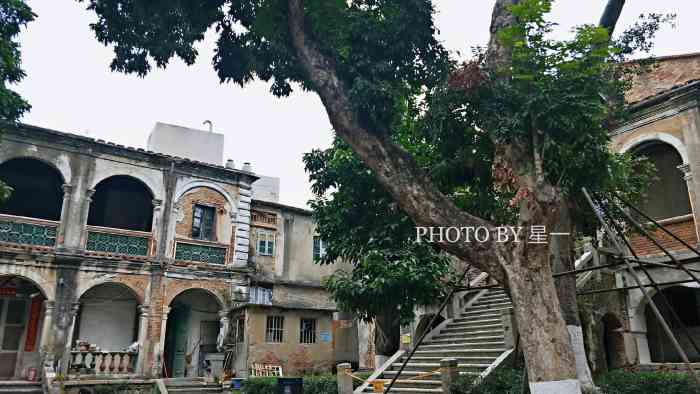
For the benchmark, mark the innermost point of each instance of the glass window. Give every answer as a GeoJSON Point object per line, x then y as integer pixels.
{"type": "Point", "coordinates": [319, 248]}
{"type": "Point", "coordinates": [266, 243]}
{"type": "Point", "coordinates": [203, 221]}
{"type": "Point", "coordinates": [307, 331]}
{"type": "Point", "coordinates": [274, 330]}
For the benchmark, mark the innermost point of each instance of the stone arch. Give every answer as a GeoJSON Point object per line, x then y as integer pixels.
{"type": "Point", "coordinates": [33, 278]}
{"type": "Point", "coordinates": [193, 184]}
{"type": "Point", "coordinates": [91, 284]}
{"type": "Point", "coordinates": [667, 159]}
{"type": "Point", "coordinates": [147, 183]}
{"type": "Point", "coordinates": [61, 166]}
{"type": "Point", "coordinates": [171, 297]}
{"type": "Point", "coordinates": [107, 209]}
{"type": "Point", "coordinates": [636, 142]}
{"type": "Point", "coordinates": [38, 188]}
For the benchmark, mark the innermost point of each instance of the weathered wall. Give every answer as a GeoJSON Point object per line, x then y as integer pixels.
{"type": "Point", "coordinates": [668, 72]}
{"type": "Point", "coordinates": [295, 358]}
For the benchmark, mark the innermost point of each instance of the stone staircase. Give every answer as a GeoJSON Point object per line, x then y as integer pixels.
{"type": "Point", "coordinates": [20, 387]}
{"type": "Point", "coordinates": [476, 338]}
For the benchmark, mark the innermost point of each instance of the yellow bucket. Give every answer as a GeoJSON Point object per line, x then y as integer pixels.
{"type": "Point", "coordinates": [378, 386]}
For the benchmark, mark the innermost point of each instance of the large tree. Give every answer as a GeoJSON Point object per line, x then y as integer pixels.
{"type": "Point", "coordinates": [14, 14]}
{"type": "Point", "coordinates": [544, 105]}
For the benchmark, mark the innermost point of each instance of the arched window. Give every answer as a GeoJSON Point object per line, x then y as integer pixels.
{"type": "Point", "coordinates": [121, 202]}
{"type": "Point", "coordinates": [667, 195]}
{"type": "Point", "coordinates": [37, 191]}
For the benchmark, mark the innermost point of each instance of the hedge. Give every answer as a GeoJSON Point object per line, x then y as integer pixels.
{"type": "Point", "coordinates": [509, 381]}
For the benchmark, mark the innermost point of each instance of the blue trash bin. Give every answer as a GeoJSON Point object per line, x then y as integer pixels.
{"type": "Point", "coordinates": [290, 386]}
{"type": "Point", "coordinates": [236, 384]}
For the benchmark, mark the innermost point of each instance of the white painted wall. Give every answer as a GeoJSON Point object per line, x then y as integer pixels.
{"type": "Point", "coordinates": [189, 143]}
{"type": "Point", "coordinates": [108, 324]}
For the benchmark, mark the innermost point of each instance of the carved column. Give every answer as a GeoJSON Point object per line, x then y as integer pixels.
{"type": "Point", "coordinates": [84, 217]}
{"type": "Point", "coordinates": [224, 324]}
{"type": "Point", "coordinates": [65, 209]}
{"type": "Point", "coordinates": [688, 177]}
{"type": "Point", "coordinates": [142, 339]}
{"type": "Point", "coordinates": [157, 217]}
{"type": "Point", "coordinates": [75, 307]}
{"type": "Point", "coordinates": [160, 350]}
{"type": "Point", "coordinates": [47, 333]}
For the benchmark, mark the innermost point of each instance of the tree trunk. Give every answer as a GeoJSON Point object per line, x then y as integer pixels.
{"type": "Point", "coordinates": [561, 249]}
{"type": "Point", "coordinates": [387, 336]}
{"type": "Point", "coordinates": [544, 336]}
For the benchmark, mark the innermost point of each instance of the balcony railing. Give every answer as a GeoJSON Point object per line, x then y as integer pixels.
{"type": "Point", "coordinates": [201, 252]}
{"type": "Point", "coordinates": [118, 241]}
{"type": "Point", "coordinates": [28, 231]}
{"type": "Point", "coordinates": [102, 362]}
{"type": "Point", "coordinates": [264, 219]}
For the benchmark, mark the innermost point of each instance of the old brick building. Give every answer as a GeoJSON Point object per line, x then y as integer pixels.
{"type": "Point", "coordinates": [126, 262]}
{"type": "Point", "coordinates": [665, 128]}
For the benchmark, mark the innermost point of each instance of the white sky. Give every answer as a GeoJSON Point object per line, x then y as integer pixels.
{"type": "Point", "coordinates": [71, 88]}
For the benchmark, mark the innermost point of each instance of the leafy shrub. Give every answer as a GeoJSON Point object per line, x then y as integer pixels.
{"type": "Point", "coordinates": [501, 381]}
{"type": "Point", "coordinates": [317, 384]}
{"type": "Point", "coordinates": [320, 384]}
{"type": "Point", "coordinates": [259, 386]}
{"type": "Point", "coordinates": [625, 382]}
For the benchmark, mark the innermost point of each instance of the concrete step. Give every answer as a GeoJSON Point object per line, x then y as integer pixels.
{"type": "Point", "coordinates": [20, 387]}
{"type": "Point", "coordinates": [475, 321]}
{"type": "Point", "coordinates": [461, 359]}
{"type": "Point", "coordinates": [468, 316]}
{"type": "Point", "coordinates": [489, 305]}
{"type": "Point", "coordinates": [461, 339]}
{"type": "Point", "coordinates": [465, 345]}
{"type": "Point", "coordinates": [428, 367]}
{"type": "Point", "coordinates": [475, 328]}
{"type": "Point", "coordinates": [451, 352]}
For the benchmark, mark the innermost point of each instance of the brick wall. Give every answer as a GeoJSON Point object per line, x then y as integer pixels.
{"type": "Point", "coordinates": [206, 196]}
{"type": "Point", "coordinates": [684, 229]}
{"type": "Point", "coordinates": [668, 72]}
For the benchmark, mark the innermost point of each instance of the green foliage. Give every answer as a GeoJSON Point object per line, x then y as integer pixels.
{"type": "Point", "coordinates": [259, 386]}
{"type": "Point", "coordinates": [14, 14]}
{"type": "Point", "coordinates": [320, 384]}
{"type": "Point", "coordinates": [501, 381]}
{"type": "Point", "coordinates": [509, 381]}
{"type": "Point", "coordinates": [624, 382]}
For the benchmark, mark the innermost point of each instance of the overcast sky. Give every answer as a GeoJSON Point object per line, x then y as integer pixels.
{"type": "Point", "coordinates": [71, 88]}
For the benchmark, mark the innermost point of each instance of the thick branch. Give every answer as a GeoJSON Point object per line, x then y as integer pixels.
{"type": "Point", "coordinates": [611, 15]}
{"type": "Point", "coordinates": [395, 168]}
{"type": "Point", "coordinates": [496, 54]}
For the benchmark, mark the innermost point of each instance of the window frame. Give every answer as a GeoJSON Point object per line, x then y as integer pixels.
{"type": "Point", "coordinates": [321, 248]}
{"type": "Point", "coordinates": [268, 239]}
{"type": "Point", "coordinates": [201, 227]}
{"type": "Point", "coordinates": [308, 335]}
{"type": "Point", "coordinates": [274, 329]}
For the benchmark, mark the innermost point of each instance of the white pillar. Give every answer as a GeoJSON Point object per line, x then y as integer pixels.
{"type": "Point", "coordinates": [69, 338]}
{"type": "Point", "coordinates": [159, 351]}
{"type": "Point", "coordinates": [224, 323]}
{"type": "Point", "coordinates": [142, 340]}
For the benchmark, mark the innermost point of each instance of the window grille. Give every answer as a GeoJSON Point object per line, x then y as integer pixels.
{"type": "Point", "coordinates": [203, 219]}
{"type": "Point", "coordinates": [266, 243]}
{"type": "Point", "coordinates": [274, 331]}
{"type": "Point", "coordinates": [307, 331]}
{"type": "Point", "coordinates": [319, 248]}
{"type": "Point", "coordinates": [261, 295]}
